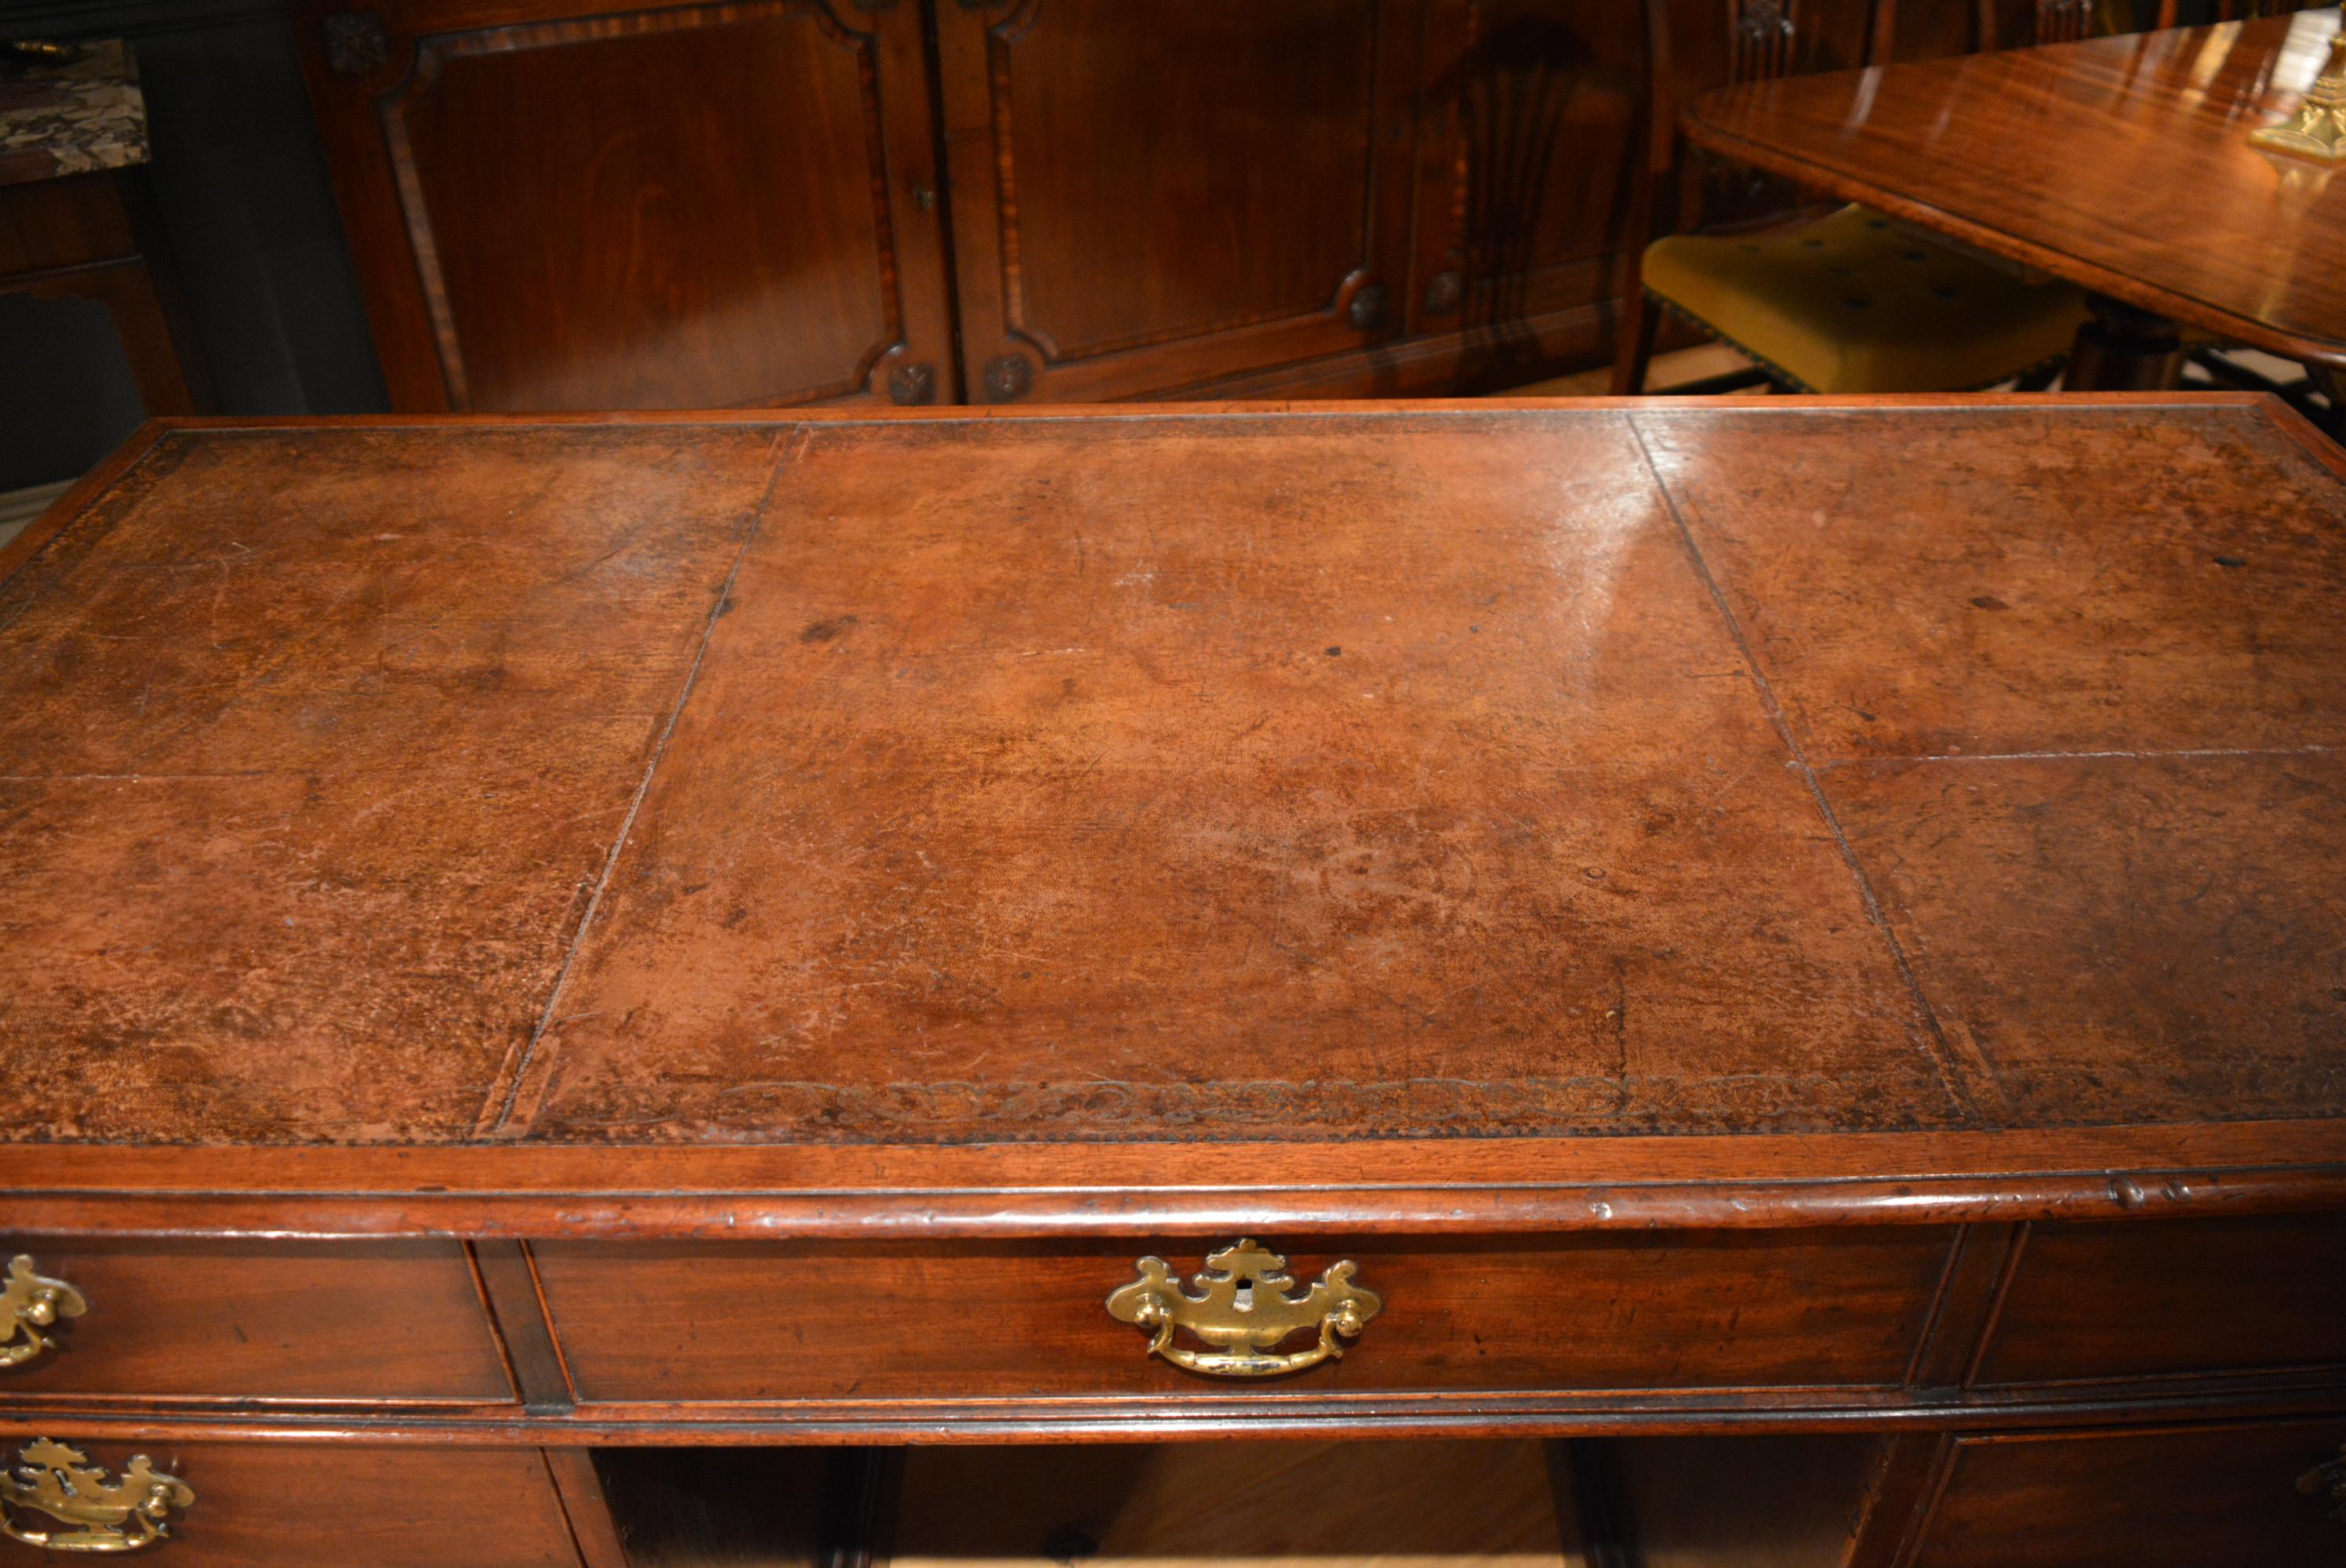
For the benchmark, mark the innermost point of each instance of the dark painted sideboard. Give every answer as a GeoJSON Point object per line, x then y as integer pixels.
{"type": "Point", "coordinates": [580, 204]}
{"type": "Point", "coordinates": [1793, 946]}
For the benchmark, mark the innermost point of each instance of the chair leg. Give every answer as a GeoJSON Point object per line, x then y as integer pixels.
{"type": "Point", "coordinates": [1640, 318]}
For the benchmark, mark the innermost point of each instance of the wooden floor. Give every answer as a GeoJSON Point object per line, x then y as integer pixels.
{"type": "Point", "coordinates": [1414, 1504]}
{"type": "Point", "coordinates": [1697, 364]}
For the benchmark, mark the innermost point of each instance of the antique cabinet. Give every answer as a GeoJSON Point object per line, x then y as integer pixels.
{"type": "Point", "coordinates": [602, 205]}
{"type": "Point", "coordinates": [1148, 197]}
{"type": "Point", "coordinates": [576, 204]}
{"type": "Point", "coordinates": [558, 970]}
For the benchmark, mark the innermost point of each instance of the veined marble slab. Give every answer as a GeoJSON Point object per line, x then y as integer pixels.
{"type": "Point", "coordinates": [75, 116]}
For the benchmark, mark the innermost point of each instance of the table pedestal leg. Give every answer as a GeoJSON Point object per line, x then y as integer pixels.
{"type": "Point", "coordinates": [2123, 348]}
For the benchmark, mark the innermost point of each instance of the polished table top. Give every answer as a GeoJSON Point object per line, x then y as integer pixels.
{"type": "Point", "coordinates": [2120, 163]}
{"type": "Point", "coordinates": [1360, 794]}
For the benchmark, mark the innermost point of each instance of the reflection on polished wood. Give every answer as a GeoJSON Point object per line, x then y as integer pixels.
{"type": "Point", "coordinates": [2123, 164]}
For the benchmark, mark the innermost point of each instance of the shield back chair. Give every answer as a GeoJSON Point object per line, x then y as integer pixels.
{"type": "Point", "coordinates": [1850, 302]}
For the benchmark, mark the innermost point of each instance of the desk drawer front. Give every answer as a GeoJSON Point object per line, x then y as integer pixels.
{"type": "Point", "coordinates": [263, 1320]}
{"type": "Point", "coordinates": [2163, 1297]}
{"type": "Point", "coordinates": [750, 1323]}
{"type": "Point", "coordinates": [2179, 1498]}
{"type": "Point", "coordinates": [301, 1505]}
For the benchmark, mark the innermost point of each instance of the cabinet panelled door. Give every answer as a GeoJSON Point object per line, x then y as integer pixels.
{"type": "Point", "coordinates": [614, 206]}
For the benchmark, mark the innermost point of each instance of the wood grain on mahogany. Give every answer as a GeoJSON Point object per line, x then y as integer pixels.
{"type": "Point", "coordinates": [576, 203]}
{"type": "Point", "coordinates": [1728, 1501]}
{"type": "Point", "coordinates": [2121, 163]}
{"type": "Point", "coordinates": [2115, 1301]}
{"type": "Point", "coordinates": [398, 1321]}
{"type": "Point", "coordinates": [1149, 195]}
{"type": "Point", "coordinates": [731, 1507]}
{"type": "Point", "coordinates": [746, 1323]}
{"type": "Point", "coordinates": [597, 205]}
{"type": "Point", "coordinates": [95, 237]}
{"type": "Point", "coordinates": [2184, 1497]}
{"type": "Point", "coordinates": [1232, 778]}
{"type": "Point", "coordinates": [280, 1505]}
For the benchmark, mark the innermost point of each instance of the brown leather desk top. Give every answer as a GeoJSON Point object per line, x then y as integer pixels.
{"type": "Point", "coordinates": [1314, 786]}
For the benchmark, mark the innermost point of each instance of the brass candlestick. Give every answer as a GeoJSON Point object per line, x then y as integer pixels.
{"type": "Point", "coordinates": [2318, 130]}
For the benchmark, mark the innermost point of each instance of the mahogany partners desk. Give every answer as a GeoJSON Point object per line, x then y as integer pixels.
{"type": "Point", "coordinates": [529, 942]}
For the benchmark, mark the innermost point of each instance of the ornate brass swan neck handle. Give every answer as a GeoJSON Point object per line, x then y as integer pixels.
{"type": "Point", "coordinates": [1243, 1312]}
{"type": "Point", "coordinates": [86, 1509]}
{"type": "Point", "coordinates": [29, 1305]}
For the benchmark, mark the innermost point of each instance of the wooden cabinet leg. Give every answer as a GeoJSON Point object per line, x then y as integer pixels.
{"type": "Point", "coordinates": [1640, 317]}
{"type": "Point", "coordinates": [128, 294]}
{"type": "Point", "coordinates": [580, 1488]}
{"type": "Point", "coordinates": [2122, 348]}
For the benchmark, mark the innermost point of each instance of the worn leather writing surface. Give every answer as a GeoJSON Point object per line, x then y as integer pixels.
{"type": "Point", "coordinates": [1234, 776]}
{"type": "Point", "coordinates": [313, 745]}
{"type": "Point", "coordinates": [2075, 692]}
{"type": "Point", "coordinates": [1237, 777]}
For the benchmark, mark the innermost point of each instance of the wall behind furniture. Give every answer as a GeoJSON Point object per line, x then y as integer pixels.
{"type": "Point", "coordinates": [241, 185]}
{"type": "Point", "coordinates": [251, 220]}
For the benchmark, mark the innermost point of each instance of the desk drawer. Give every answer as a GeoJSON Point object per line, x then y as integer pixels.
{"type": "Point", "coordinates": [750, 1322]}
{"type": "Point", "coordinates": [2163, 1297]}
{"type": "Point", "coordinates": [2179, 1498]}
{"type": "Point", "coordinates": [299, 1505]}
{"type": "Point", "coordinates": [370, 1321]}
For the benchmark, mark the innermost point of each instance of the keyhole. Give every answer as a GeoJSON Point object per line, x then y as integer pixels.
{"type": "Point", "coordinates": [1243, 1298]}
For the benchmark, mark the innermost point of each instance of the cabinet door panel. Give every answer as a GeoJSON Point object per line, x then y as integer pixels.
{"type": "Point", "coordinates": [1144, 197]}
{"type": "Point", "coordinates": [557, 209]}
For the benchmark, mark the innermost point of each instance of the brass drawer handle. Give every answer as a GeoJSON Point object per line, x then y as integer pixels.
{"type": "Point", "coordinates": [27, 1305]}
{"type": "Point", "coordinates": [91, 1512]}
{"type": "Point", "coordinates": [1244, 1311]}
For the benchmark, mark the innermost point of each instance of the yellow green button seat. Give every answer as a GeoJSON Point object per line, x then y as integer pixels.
{"type": "Point", "coordinates": [1854, 303]}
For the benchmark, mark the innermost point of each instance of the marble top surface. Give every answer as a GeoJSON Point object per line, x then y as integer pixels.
{"type": "Point", "coordinates": [71, 116]}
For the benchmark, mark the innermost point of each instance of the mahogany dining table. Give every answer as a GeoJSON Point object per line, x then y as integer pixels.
{"type": "Point", "coordinates": [2123, 164]}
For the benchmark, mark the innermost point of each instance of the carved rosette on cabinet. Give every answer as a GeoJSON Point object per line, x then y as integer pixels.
{"type": "Point", "coordinates": [1008, 377]}
{"type": "Point", "coordinates": [355, 42]}
{"type": "Point", "coordinates": [1444, 292]}
{"type": "Point", "coordinates": [911, 385]}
